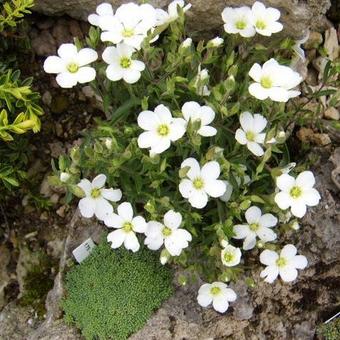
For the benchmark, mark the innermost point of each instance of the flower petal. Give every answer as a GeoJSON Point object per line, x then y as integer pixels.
{"type": "Point", "coordinates": [253, 214]}
{"type": "Point", "coordinates": [207, 131]}
{"type": "Point", "coordinates": [298, 208]}
{"type": "Point", "coordinates": [266, 234]}
{"type": "Point", "coordinates": [220, 304]}
{"type": "Point", "coordinates": [131, 242]}
{"type": "Point", "coordinates": [191, 110]}
{"type": "Point", "coordinates": [86, 186]}
{"type": "Point", "coordinates": [67, 52]}
{"type": "Point", "coordinates": [269, 257]}
{"type": "Point", "coordinates": [256, 72]}
{"type": "Point", "coordinates": [54, 64]}
{"type": "Point", "coordinates": [111, 194]}
{"type": "Point", "coordinates": [215, 188]}
{"type": "Point", "coordinates": [163, 113]}
{"type": "Point", "coordinates": [270, 273]}
{"type": "Point", "coordinates": [161, 145]}
{"type": "Point", "coordinates": [86, 74]}
{"type": "Point", "coordinates": [131, 76]}
{"type": "Point", "coordinates": [116, 238]}
{"type": "Point", "coordinates": [114, 221]}
{"type": "Point", "coordinates": [230, 294]}
{"type": "Point", "coordinates": [172, 219]}
{"type": "Point", "coordinates": [241, 231]}
{"type": "Point", "coordinates": [259, 123]}
{"type": "Point", "coordinates": [285, 182]}
{"type": "Point", "coordinates": [148, 120]}
{"type": "Point", "coordinates": [87, 207]}
{"type": "Point", "coordinates": [207, 115]}
{"type": "Point", "coordinates": [288, 273]}
{"type": "Point", "coordinates": [153, 243]}
{"type": "Point", "coordinates": [99, 181]}
{"type": "Point", "coordinates": [204, 300]}
{"type": "Point", "coordinates": [255, 148]}
{"type": "Point", "coordinates": [177, 129]}
{"type": "Point", "coordinates": [299, 262]}
{"type": "Point", "coordinates": [86, 56]}
{"type": "Point", "coordinates": [246, 121]}
{"type": "Point", "coordinates": [240, 136]}
{"type": "Point", "coordinates": [147, 139]}
{"type": "Point", "coordinates": [186, 188]}
{"type": "Point", "coordinates": [210, 171]}
{"type": "Point", "coordinates": [103, 208]}
{"type": "Point", "coordinates": [268, 220]}
{"type": "Point", "coordinates": [256, 90]}
{"type": "Point", "coordinates": [139, 224]}
{"type": "Point", "coordinates": [194, 170]}
{"type": "Point", "coordinates": [250, 241]}
{"type": "Point", "coordinates": [125, 211]}
{"type": "Point", "coordinates": [198, 199]}
{"type": "Point", "coordinates": [288, 251]}
{"type": "Point", "coordinates": [283, 200]}
{"type": "Point", "coordinates": [66, 80]}
{"type": "Point", "coordinates": [305, 179]}
{"type": "Point", "coordinates": [114, 72]}
{"type": "Point", "coordinates": [311, 197]}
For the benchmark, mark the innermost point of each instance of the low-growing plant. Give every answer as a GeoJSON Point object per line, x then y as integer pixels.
{"type": "Point", "coordinates": [194, 140]}
{"type": "Point", "coordinates": [112, 294]}
{"type": "Point", "coordinates": [330, 330]}
{"type": "Point", "coordinates": [19, 105]}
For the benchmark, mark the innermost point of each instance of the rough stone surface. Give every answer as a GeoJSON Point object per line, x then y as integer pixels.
{"type": "Point", "coordinates": [205, 15]}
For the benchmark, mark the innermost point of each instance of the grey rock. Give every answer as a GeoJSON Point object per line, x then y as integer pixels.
{"type": "Point", "coordinates": [44, 44]}
{"type": "Point", "coordinates": [205, 15]}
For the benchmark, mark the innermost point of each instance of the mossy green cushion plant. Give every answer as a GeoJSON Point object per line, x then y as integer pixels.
{"type": "Point", "coordinates": [330, 331]}
{"type": "Point", "coordinates": [114, 292]}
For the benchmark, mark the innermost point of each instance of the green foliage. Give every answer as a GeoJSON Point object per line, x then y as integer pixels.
{"type": "Point", "coordinates": [330, 331]}
{"type": "Point", "coordinates": [19, 106]}
{"type": "Point", "coordinates": [13, 11]}
{"type": "Point", "coordinates": [114, 292]}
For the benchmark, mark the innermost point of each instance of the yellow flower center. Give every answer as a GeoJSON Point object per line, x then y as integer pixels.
{"type": "Point", "coordinates": [228, 257]}
{"type": "Point", "coordinates": [163, 130]}
{"type": "Point", "coordinates": [240, 25]}
{"type": "Point", "coordinates": [125, 62]}
{"type": "Point", "coordinates": [254, 226]}
{"type": "Point", "coordinates": [281, 262]}
{"type": "Point", "coordinates": [128, 33]}
{"type": "Point", "coordinates": [266, 82]}
{"type": "Point", "coordinates": [215, 290]}
{"type": "Point", "coordinates": [295, 192]}
{"type": "Point", "coordinates": [95, 193]}
{"type": "Point", "coordinates": [260, 24]}
{"type": "Point", "coordinates": [127, 227]}
{"type": "Point", "coordinates": [166, 231]}
{"type": "Point", "coordinates": [250, 135]}
{"type": "Point", "coordinates": [198, 183]}
{"type": "Point", "coordinates": [72, 67]}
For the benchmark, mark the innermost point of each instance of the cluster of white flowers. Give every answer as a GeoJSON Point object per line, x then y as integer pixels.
{"type": "Point", "coordinates": [96, 202]}
{"type": "Point", "coordinates": [248, 21]}
{"type": "Point", "coordinates": [161, 128]}
{"type": "Point", "coordinates": [126, 29]}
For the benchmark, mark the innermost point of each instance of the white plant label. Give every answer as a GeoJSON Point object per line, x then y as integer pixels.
{"type": "Point", "coordinates": [84, 250]}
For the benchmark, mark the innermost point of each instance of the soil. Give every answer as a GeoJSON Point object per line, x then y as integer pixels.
{"type": "Point", "coordinates": [36, 240]}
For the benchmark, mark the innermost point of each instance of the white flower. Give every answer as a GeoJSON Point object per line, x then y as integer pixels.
{"type": "Point", "coordinates": [121, 64]}
{"type": "Point", "coordinates": [284, 265]}
{"type": "Point", "coordinates": [265, 19]}
{"type": "Point", "coordinates": [127, 226]}
{"type": "Point", "coordinates": [216, 293]}
{"type": "Point", "coordinates": [174, 238]}
{"type": "Point", "coordinates": [230, 255]}
{"type": "Point", "coordinates": [297, 193]}
{"type": "Point", "coordinates": [193, 112]}
{"type": "Point", "coordinates": [186, 43]}
{"type": "Point", "coordinates": [171, 15]}
{"type": "Point", "coordinates": [70, 65]}
{"type": "Point", "coordinates": [129, 25]}
{"type": "Point", "coordinates": [64, 177]}
{"type": "Point", "coordinates": [238, 20]}
{"type": "Point", "coordinates": [299, 51]}
{"type": "Point", "coordinates": [251, 132]}
{"type": "Point", "coordinates": [201, 183]}
{"type": "Point", "coordinates": [273, 81]}
{"type": "Point", "coordinates": [258, 225]}
{"type": "Point", "coordinates": [102, 10]}
{"type": "Point", "coordinates": [216, 42]}
{"type": "Point", "coordinates": [96, 198]}
{"type": "Point", "coordinates": [160, 129]}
